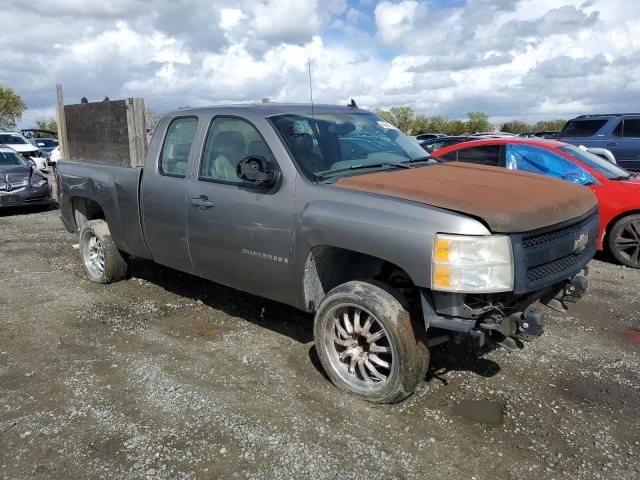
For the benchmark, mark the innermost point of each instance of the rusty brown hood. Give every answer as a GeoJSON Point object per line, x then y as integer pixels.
{"type": "Point", "coordinates": [505, 200]}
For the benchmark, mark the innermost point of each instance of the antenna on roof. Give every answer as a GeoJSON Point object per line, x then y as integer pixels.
{"type": "Point", "coordinates": [352, 104]}
{"type": "Point", "coordinates": [310, 85]}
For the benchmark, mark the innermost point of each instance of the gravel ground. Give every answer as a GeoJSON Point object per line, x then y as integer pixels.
{"type": "Point", "coordinates": [168, 376]}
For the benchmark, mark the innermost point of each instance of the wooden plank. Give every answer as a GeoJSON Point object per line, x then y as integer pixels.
{"type": "Point", "coordinates": [60, 120]}
{"type": "Point", "coordinates": [137, 131]}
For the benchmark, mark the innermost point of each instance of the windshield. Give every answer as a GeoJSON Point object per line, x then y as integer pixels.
{"type": "Point", "coordinates": [599, 164]}
{"type": "Point", "coordinates": [11, 139]}
{"type": "Point", "coordinates": [11, 159]}
{"type": "Point", "coordinates": [336, 144]}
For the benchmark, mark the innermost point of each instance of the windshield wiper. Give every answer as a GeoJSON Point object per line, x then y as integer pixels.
{"type": "Point", "coordinates": [421, 159]}
{"type": "Point", "coordinates": [622, 177]}
{"type": "Point", "coordinates": [330, 173]}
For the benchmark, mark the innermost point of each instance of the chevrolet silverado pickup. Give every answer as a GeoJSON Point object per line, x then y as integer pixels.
{"type": "Point", "coordinates": [334, 211]}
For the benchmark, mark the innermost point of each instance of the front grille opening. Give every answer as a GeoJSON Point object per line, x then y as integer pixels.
{"type": "Point", "coordinates": [550, 237]}
{"type": "Point", "coordinates": [550, 269]}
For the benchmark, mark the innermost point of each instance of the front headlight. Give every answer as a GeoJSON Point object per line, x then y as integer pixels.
{"type": "Point", "coordinates": [472, 264]}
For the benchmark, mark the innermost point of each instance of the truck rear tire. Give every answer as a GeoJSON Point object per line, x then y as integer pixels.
{"type": "Point", "coordinates": [623, 241]}
{"type": "Point", "coordinates": [368, 344]}
{"type": "Point", "coordinates": [102, 260]}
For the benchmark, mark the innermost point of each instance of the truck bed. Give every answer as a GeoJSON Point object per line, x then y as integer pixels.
{"type": "Point", "coordinates": [115, 188]}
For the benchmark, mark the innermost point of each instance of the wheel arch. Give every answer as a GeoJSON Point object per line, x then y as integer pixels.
{"type": "Point", "coordinates": [615, 220]}
{"type": "Point", "coordinates": [327, 267]}
{"type": "Point", "coordinates": [85, 209]}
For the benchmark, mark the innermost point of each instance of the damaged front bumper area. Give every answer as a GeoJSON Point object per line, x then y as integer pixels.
{"type": "Point", "coordinates": [550, 267]}
{"type": "Point", "coordinates": [506, 319]}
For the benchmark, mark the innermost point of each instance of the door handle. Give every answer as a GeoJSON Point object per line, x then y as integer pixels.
{"type": "Point", "coordinates": [612, 144]}
{"type": "Point", "coordinates": [202, 202]}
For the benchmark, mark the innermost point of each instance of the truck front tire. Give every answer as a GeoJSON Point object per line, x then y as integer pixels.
{"type": "Point", "coordinates": [368, 344]}
{"type": "Point", "coordinates": [102, 260]}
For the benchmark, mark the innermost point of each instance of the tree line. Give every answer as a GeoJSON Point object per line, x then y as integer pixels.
{"type": "Point", "coordinates": [405, 118]}
{"type": "Point", "coordinates": [412, 123]}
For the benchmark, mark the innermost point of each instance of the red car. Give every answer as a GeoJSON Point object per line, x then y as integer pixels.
{"type": "Point", "coordinates": [617, 191]}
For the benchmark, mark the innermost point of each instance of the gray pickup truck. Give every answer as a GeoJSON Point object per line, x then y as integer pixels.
{"type": "Point", "coordinates": [336, 212]}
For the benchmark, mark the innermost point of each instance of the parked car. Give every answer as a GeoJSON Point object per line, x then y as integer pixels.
{"type": "Point", "coordinates": [441, 142]}
{"type": "Point", "coordinates": [20, 183]}
{"type": "Point", "coordinates": [619, 133]}
{"type": "Point", "coordinates": [20, 144]}
{"type": "Point", "coordinates": [493, 135]}
{"type": "Point", "coordinates": [336, 212]}
{"type": "Point", "coordinates": [617, 191]}
{"type": "Point", "coordinates": [429, 136]}
{"type": "Point", "coordinates": [547, 134]}
{"type": "Point", "coordinates": [45, 145]}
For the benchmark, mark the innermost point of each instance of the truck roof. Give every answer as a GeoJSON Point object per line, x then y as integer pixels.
{"type": "Point", "coordinates": [271, 108]}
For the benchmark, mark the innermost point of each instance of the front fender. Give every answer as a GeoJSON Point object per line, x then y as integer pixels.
{"type": "Point", "coordinates": [397, 231]}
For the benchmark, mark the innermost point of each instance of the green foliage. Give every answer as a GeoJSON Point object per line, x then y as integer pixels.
{"type": "Point", "coordinates": [478, 122]}
{"type": "Point", "coordinates": [548, 125]}
{"type": "Point", "coordinates": [84, 100]}
{"type": "Point", "coordinates": [11, 108]}
{"type": "Point", "coordinates": [413, 123]}
{"type": "Point", "coordinates": [401, 117]}
{"type": "Point", "coordinates": [516, 126]}
{"type": "Point", "coordinates": [47, 124]}
{"type": "Point", "coordinates": [106, 99]}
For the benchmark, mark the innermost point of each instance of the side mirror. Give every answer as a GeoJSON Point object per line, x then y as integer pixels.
{"type": "Point", "coordinates": [256, 170]}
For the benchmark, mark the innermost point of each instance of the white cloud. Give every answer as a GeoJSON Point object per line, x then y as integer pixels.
{"type": "Point", "coordinates": [396, 20]}
{"type": "Point", "coordinates": [522, 59]}
{"type": "Point", "coordinates": [288, 21]}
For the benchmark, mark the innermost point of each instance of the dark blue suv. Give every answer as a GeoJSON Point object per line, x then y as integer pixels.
{"type": "Point", "coordinates": [617, 132]}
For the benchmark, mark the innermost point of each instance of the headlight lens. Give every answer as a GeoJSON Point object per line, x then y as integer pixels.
{"type": "Point", "coordinates": [472, 264]}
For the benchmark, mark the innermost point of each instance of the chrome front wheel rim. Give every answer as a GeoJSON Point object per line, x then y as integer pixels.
{"type": "Point", "coordinates": [359, 347]}
{"type": "Point", "coordinates": [93, 255]}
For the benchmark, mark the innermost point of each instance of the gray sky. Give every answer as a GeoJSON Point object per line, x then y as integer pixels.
{"type": "Point", "coordinates": [527, 59]}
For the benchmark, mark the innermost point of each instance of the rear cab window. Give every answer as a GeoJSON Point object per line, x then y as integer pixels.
{"type": "Point", "coordinates": [582, 128]}
{"type": "Point", "coordinates": [174, 157]}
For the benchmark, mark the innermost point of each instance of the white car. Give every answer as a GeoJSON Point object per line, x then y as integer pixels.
{"type": "Point", "coordinates": [24, 147]}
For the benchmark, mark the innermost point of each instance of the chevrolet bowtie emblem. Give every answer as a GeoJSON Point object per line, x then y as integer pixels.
{"type": "Point", "coordinates": [581, 243]}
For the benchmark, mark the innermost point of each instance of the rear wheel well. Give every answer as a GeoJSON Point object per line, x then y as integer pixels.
{"type": "Point", "coordinates": [615, 220]}
{"type": "Point", "coordinates": [85, 209]}
{"type": "Point", "coordinates": [327, 267]}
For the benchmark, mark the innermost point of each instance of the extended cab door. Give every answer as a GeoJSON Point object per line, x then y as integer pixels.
{"type": "Point", "coordinates": [240, 235]}
{"type": "Point", "coordinates": [164, 195]}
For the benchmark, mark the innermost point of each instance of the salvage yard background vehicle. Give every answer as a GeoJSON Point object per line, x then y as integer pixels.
{"type": "Point", "coordinates": [618, 132]}
{"type": "Point", "coordinates": [20, 144]}
{"type": "Point", "coordinates": [617, 191]}
{"type": "Point", "coordinates": [336, 212]}
{"type": "Point", "coordinates": [20, 183]}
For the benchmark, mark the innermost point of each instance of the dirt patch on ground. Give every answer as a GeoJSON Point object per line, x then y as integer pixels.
{"type": "Point", "coordinates": [165, 375]}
